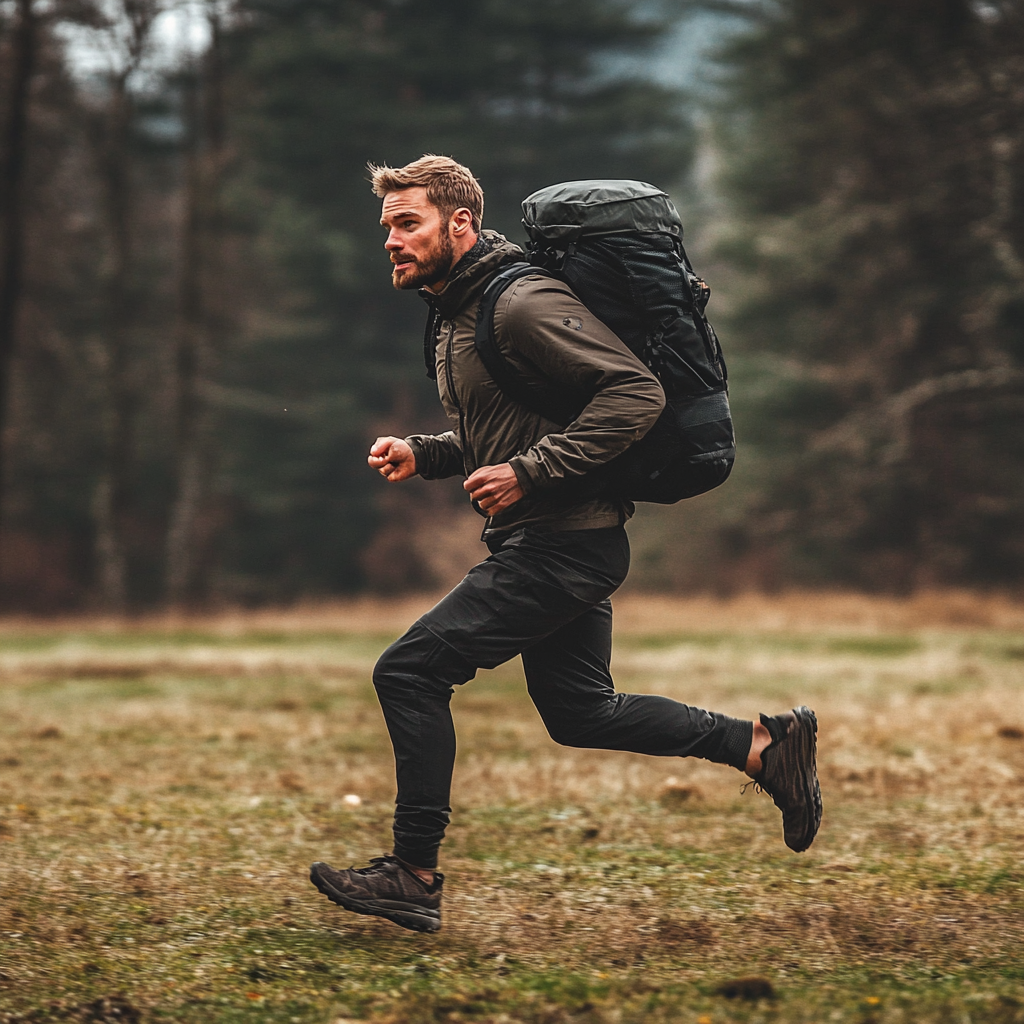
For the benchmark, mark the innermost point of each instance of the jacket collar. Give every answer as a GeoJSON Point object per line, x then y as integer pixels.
{"type": "Point", "coordinates": [470, 275]}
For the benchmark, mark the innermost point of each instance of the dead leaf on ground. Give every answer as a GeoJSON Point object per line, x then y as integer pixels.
{"type": "Point", "coordinates": [292, 781]}
{"type": "Point", "coordinates": [697, 931]}
{"type": "Point", "coordinates": [751, 989]}
{"type": "Point", "coordinates": [674, 793]}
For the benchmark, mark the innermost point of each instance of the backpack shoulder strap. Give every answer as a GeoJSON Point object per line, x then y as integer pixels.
{"type": "Point", "coordinates": [541, 398]}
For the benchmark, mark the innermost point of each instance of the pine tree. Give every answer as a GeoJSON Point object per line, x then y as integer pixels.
{"type": "Point", "coordinates": [518, 90]}
{"type": "Point", "coordinates": [874, 157]}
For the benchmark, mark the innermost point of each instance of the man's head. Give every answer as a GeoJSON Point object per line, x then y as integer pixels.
{"type": "Point", "coordinates": [432, 209]}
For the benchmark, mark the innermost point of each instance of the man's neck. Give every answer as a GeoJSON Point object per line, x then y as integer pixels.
{"type": "Point", "coordinates": [458, 251]}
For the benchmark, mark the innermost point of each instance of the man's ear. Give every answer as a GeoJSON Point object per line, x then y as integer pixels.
{"type": "Point", "coordinates": [461, 222]}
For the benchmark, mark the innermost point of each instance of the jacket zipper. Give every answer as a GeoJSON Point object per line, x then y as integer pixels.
{"type": "Point", "coordinates": [450, 381]}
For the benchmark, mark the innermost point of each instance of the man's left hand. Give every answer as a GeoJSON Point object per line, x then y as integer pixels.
{"type": "Point", "coordinates": [494, 488]}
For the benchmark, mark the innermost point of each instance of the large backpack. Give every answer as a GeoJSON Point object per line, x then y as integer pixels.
{"type": "Point", "coordinates": [619, 246]}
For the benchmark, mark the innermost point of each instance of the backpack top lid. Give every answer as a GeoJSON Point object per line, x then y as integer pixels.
{"type": "Point", "coordinates": [598, 206]}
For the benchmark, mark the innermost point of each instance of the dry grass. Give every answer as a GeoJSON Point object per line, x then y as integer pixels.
{"type": "Point", "coordinates": [163, 786]}
{"type": "Point", "coordinates": [798, 610]}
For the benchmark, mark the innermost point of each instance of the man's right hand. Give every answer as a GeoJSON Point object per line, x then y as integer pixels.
{"type": "Point", "coordinates": [392, 458]}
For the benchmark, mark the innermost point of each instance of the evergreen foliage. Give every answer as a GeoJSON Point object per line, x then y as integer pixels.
{"type": "Point", "coordinates": [206, 335]}
{"type": "Point", "coordinates": [211, 286]}
{"type": "Point", "coordinates": [516, 89]}
{"type": "Point", "coordinates": [874, 160]}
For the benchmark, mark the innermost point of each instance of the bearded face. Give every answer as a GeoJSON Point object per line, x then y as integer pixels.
{"type": "Point", "coordinates": [422, 242]}
{"type": "Point", "coordinates": [421, 269]}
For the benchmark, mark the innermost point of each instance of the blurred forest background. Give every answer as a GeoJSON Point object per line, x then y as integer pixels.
{"type": "Point", "coordinates": [198, 336]}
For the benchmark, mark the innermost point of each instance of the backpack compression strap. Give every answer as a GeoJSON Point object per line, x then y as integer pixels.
{"type": "Point", "coordinates": [545, 399]}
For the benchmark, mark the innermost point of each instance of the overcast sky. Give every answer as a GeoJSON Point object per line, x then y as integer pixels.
{"type": "Point", "coordinates": [680, 60]}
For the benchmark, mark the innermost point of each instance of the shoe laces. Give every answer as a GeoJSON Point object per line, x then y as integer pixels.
{"type": "Point", "coordinates": [389, 864]}
{"type": "Point", "coordinates": [377, 865]}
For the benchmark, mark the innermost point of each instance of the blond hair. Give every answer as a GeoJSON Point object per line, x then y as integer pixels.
{"type": "Point", "coordinates": [449, 185]}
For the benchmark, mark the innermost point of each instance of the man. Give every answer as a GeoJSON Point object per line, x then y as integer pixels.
{"type": "Point", "coordinates": [556, 556]}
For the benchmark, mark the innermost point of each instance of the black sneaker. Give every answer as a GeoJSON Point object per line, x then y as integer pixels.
{"type": "Point", "coordinates": [387, 888]}
{"type": "Point", "coordinates": [789, 774]}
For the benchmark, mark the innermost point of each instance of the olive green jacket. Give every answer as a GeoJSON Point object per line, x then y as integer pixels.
{"type": "Point", "coordinates": [546, 332]}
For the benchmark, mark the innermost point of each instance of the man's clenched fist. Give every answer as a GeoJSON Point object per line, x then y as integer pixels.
{"type": "Point", "coordinates": [494, 488]}
{"type": "Point", "coordinates": [392, 458]}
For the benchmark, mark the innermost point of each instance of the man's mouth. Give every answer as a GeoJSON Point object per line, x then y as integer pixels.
{"type": "Point", "coordinates": [402, 262]}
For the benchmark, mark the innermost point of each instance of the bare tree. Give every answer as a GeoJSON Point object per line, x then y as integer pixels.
{"type": "Point", "coordinates": [198, 321]}
{"type": "Point", "coordinates": [126, 28]}
{"type": "Point", "coordinates": [23, 46]}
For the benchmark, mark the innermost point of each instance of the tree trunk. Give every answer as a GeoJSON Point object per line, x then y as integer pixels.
{"type": "Point", "coordinates": [198, 327]}
{"type": "Point", "coordinates": [110, 498]}
{"type": "Point", "coordinates": [129, 29]}
{"type": "Point", "coordinates": [12, 206]}
{"type": "Point", "coordinates": [188, 412]}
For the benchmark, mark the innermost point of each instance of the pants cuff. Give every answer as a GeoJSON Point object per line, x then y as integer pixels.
{"type": "Point", "coordinates": [418, 858]}
{"type": "Point", "coordinates": [737, 736]}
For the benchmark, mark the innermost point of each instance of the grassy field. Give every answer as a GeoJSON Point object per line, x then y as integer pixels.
{"type": "Point", "coordinates": [164, 786]}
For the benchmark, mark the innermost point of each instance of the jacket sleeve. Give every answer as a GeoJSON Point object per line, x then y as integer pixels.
{"type": "Point", "coordinates": [437, 455]}
{"type": "Point", "coordinates": [546, 330]}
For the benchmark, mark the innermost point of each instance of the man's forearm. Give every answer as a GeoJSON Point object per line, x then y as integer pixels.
{"type": "Point", "coordinates": [600, 433]}
{"type": "Point", "coordinates": [546, 324]}
{"type": "Point", "coordinates": [437, 455]}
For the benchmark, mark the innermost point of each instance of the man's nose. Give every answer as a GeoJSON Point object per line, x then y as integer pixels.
{"type": "Point", "coordinates": [393, 243]}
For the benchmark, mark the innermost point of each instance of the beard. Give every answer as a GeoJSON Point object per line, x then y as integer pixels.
{"type": "Point", "coordinates": [433, 267]}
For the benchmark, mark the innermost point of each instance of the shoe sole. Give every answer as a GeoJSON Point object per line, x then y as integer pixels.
{"type": "Point", "coordinates": [808, 755]}
{"type": "Point", "coordinates": [406, 915]}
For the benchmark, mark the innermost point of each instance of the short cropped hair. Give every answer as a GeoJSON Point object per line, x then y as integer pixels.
{"type": "Point", "coordinates": [449, 185]}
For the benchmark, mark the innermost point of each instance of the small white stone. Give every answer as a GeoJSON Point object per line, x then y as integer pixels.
{"type": "Point", "coordinates": [351, 800]}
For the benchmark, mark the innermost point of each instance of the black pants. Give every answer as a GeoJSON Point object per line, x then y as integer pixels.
{"type": "Point", "coordinates": [545, 596]}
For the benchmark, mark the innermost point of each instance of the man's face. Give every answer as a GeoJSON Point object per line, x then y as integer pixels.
{"type": "Point", "coordinates": [418, 242]}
